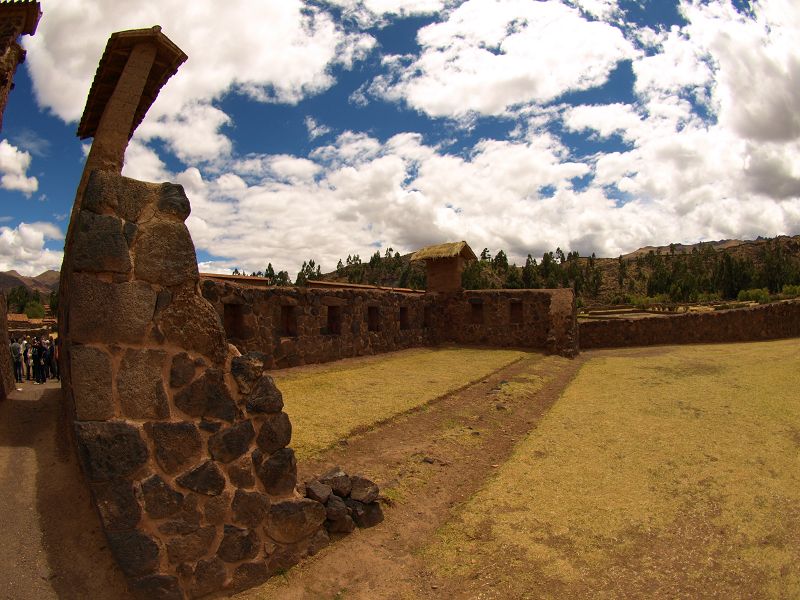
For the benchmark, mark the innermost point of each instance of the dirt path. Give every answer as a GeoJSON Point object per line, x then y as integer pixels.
{"type": "Point", "coordinates": [427, 463]}
{"type": "Point", "coordinates": [52, 545]}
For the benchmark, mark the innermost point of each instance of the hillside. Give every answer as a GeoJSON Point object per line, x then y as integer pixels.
{"type": "Point", "coordinates": [43, 283]}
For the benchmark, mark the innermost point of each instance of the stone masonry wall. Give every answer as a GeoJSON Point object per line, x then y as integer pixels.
{"type": "Point", "coordinates": [6, 363]}
{"type": "Point", "coordinates": [766, 322]}
{"type": "Point", "coordinates": [183, 441]}
{"type": "Point", "coordinates": [292, 326]}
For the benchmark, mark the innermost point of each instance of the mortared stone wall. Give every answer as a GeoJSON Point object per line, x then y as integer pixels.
{"type": "Point", "coordinates": [771, 321]}
{"type": "Point", "coordinates": [296, 326]}
{"type": "Point", "coordinates": [183, 442]}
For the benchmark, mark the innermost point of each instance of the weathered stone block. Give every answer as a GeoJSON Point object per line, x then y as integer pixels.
{"type": "Point", "coordinates": [249, 508]}
{"type": "Point", "coordinates": [342, 525]}
{"type": "Point", "coordinates": [318, 491]}
{"type": "Point", "coordinates": [205, 479]}
{"type": "Point", "coordinates": [136, 553]}
{"type": "Point", "coordinates": [113, 313]}
{"type": "Point", "coordinates": [336, 509]}
{"type": "Point", "coordinates": [164, 254]}
{"type": "Point", "coordinates": [216, 510]}
{"type": "Point", "coordinates": [110, 449]}
{"type": "Point", "coordinates": [100, 244]}
{"type": "Point", "coordinates": [338, 480]}
{"type": "Point", "coordinates": [190, 322]}
{"type": "Point", "coordinates": [237, 544]}
{"type": "Point", "coordinates": [91, 383]}
{"type": "Point", "coordinates": [126, 197]}
{"type": "Point", "coordinates": [157, 587]}
{"type": "Point", "coordinates": [209, 576]}
{"type": "Point", "coordinates": [365, 515]}
{"type": "Point", "coordinates": [278, 473]}
{"type": "Point", "coordinates": [182, 370]}
{"type": "Point", "coordinates": [192, 546]}
{"type": "Point", "coordinates": [247, 369]}
{"type": "Point", "coordinates": [172, 200]}
{"type": "Point", "coordinates": [275, 433]}
{"type": "Point", "coordinates": [117, 503]}
{"type": "Point", "coordinates": [230, 443]}
{"type": "Point", "coordinates": [240, 472]}
{"type": "Point", "coordinates": [207, 396]}
{"type": "Point", "coordinates": [292, 520]}
{"type": "Point", "coordinates": [160, 500]}
{"type": "Point", "coordinates": [363, 489]}
{"type": "Point", "coordinates": [140, 385]}
{"type": "Point", "coordinates": [177, 445]}
{"type": "Point", "coordinates": [265, 397]}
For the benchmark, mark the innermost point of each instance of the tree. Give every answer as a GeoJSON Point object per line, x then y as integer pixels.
{"type": "Point", "coordinates": [19, 297]}
{"type": "Point", "coordinates": [34, 310]}
{"type": "Point", "coordinates": [500, 262]}
{"type": "Point", "coordinates": [530, 274]}
{"type": "Point", "coordinates": [308, 272]}
{"type": "Point", "coordinates": [53, 302]}
{"type": "Point", "coordinates": [486, 255]}
{"type": "Point", "coordinates": [514, 278]}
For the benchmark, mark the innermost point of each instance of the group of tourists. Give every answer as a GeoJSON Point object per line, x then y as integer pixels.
{"type": "Point", "coordinates": [37, 359]}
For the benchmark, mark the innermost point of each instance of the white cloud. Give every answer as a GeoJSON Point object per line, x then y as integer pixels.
{"type": "Point", "coordinates": [315, 129]}
{"type": "Point", "coordinates": [490, 55]}
{"type": "Point", "coordinates": [14, 164]}
{"type": "Point", "coordinates": [270, 51]}
{"type": "Point", "coordinates": [369, 13]}
{"type": "Point", "coordinates": [23, 248]}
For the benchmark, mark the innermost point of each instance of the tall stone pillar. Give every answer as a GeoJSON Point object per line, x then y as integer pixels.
{"type": "Point", "coordinates": [183, 442]}
{"type": "Point", "coordinates": [17, 18]}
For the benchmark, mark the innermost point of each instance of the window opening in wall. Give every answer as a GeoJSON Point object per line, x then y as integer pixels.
{"type": "Point", "coordinates": [288, 326]}
{"type": "Point", "coordinates": [515, 315]}
{"type": "Point", "coordinates": [334, 320]}
{"type": "Point", "coordinates": [404, 317]}
{"type": "Point", "coordinates": [427, 317]}
{"type": "Point", "coordinates": [476, 313]}
{"type": "Point", "coordinates": [373, 318]}
{"type": "Point", "coordinates": [233, 320]}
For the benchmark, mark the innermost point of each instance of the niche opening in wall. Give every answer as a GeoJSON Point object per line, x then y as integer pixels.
{"type": "Point", "coordinates": [334, 325]}
{"type": "Point", "coordinates": [515, 312]}
{"type": "Point", "coordinates": [476, 313]}
{"type": "Point", "coordinates": [427, 317]}
{"type": "Point", "coordinates": [373, 318]}
{"type": "Point", "coordinates": [233, 321]}
{"type": "Point", "coordinates": [404, 318]}
{"type": "Point", "coordinates": [288, 323]}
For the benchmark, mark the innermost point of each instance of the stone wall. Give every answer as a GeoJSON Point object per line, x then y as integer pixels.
{"type": "Point", "coordinates": [766, 322]}
{"type": "Point", "coordinates": [295, 326]}
{"type": "Point", "coordinates": [7, 381]}
{"type": "Point", "coordinates": [183, 441]}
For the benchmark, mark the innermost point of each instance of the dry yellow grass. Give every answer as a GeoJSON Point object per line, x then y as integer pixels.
{"type": "Point", "coordinates": [660, 473]}
{"type": "Point", "coordinates": [329, 403]}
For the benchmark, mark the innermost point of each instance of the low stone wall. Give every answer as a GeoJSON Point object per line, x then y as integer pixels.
{"type": "Point", "coordinates": [771, 321]}
{"type": "Point", "coordinates": [295, 326]}
{"type": "Point", "coordinates": [184, 442]}
{"type": "Point", "coordinates": [6, 363]}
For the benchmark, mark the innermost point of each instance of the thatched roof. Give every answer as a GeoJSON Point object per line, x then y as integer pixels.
{"type": "Point", "coordinates": [448, 250]}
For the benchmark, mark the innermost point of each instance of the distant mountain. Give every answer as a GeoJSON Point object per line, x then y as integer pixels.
{"type": "Point", "coordinates": [43, 283]}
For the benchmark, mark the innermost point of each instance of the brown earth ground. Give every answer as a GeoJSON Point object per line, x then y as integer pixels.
{"type": "Point", "coordinates": [52, 545]}
{"type": "Point", "coordinates": [428, 462]}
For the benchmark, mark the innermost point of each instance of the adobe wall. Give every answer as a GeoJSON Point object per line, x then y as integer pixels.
{"type": "Point", "coordinates": [771, 321]}
{"type": "Point", "coordinates": [444, 274]}
{"type": "Point", "coordinates": [254, 320]}
{"type": "Point", "coordinates": [182, 441]}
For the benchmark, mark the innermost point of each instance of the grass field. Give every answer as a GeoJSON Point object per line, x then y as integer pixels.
{"type": "Point", "coordinates": [328, 403]}
{"type": "Point", "coordinates": [660, 473]}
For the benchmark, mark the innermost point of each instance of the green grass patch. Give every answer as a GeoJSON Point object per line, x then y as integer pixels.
{"type": "Point", "coordinates": [329, 403]}
{"type": "Point", "coordinates": [666, 474]}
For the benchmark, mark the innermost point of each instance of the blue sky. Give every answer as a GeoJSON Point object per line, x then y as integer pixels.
{"type": "Point", "coordinates": [316, 129]}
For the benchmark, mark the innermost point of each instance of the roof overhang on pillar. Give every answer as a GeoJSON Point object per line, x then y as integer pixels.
{"type": "Point", "coordinates": [28, 10]}
{"type": "Point", "coordinates": [168, 58]}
